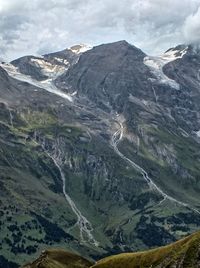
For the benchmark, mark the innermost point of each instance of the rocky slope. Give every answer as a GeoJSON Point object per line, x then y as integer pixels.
{"type": "Point", "coordinates": [99, 156]}
{"type": "Point", "coordinates": [59, 258]}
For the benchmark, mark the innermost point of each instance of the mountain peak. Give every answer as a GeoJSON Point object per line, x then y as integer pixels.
{"type": "Point", "coordinates": [181, 50]}
{"type": "Point", "coordinates": [177, 52]}
{"type": "Point", "coordinates": [119, 47]}
{"type": "Point", "coordinates": [122, 42]}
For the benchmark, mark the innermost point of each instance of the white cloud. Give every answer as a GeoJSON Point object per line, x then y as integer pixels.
{"type": "Point", "coordinates": [40, 26]}
{"type": "Point", "coordinates": [191, 28]}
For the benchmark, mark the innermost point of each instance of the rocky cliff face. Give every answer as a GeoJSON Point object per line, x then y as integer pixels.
{"type": "Point", "coordinates": [107, 74]}
{"type": "Point", "coordinates": [99, 151]}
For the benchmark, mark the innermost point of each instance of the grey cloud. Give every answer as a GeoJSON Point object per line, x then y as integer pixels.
{"type": "Point", "coordinates": [10, 26]}
{"type": "Point", "coordinates": [41, 26]}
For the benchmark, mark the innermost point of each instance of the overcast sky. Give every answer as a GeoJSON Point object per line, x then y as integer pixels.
{"type": "Point", "coordinates": [41, 26]}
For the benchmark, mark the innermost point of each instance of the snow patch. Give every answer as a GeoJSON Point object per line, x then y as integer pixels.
{"type": "Point", "coordinates": [74, 93]}
{"type": "Point", "coordinates": [198, 134]}
{"type": "Point", "coordinates": [78, 49]}
{"type": "Point", "coordinates": [49, 69]}
{"type": "Point", "coordinates": [47, 85]}
{"type": "Point", "coordinates": [156, 64]}
{"type": "Point", "coordinates": [173, 54]}
{"type": "Point", "coordinates": [61, 60]}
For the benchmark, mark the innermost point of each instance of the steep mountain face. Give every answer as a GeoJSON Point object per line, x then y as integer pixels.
{"type": "Point", "coordinates": [99, 152]}
{"type": "Point", "coordinates": [107, 74]}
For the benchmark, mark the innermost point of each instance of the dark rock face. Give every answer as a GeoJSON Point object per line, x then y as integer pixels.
{"type": "Point", "coordinates": [107, 74]}
{"type": "Point", "coordinates": [3, 75]}
{"type": "Point", "coordinates": [26, 66]}
{"type": "Point", "coordinates": [4, 80]}
{"type": "Point", "coordinates": [9, 87]}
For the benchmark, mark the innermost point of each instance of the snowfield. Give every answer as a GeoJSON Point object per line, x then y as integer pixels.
{"type": "Point", "coordinates": [157, 63]}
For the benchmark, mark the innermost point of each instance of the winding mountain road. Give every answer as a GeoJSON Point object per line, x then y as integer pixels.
{"type": "Point", "coordinates": [116, 138]}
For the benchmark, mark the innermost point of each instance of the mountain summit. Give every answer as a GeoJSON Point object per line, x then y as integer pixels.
{"type": "Point", "coordinates": [105, 73]}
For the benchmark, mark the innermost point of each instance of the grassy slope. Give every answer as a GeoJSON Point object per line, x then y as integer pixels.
{"type": "Point", "coordinates": [32, 181]}
{"type": "Point", "coordinates": [180, 177]}
{"type": "Point", "coordinates": [184, 253]}
{"type": "Point", "coordinates": [26, 187]}
{"type": "Point", "coordinates": [23, 161]}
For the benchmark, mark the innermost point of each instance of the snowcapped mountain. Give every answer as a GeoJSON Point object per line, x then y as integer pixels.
{"type": "Point", "coordinates": [156, 64]}
{"type": "Point", "coordinates": [100, 150]}
{"type": "Point", "coordinates": [50, 65]}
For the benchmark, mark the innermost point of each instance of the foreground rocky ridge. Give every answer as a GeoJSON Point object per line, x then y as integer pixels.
{"type": "Point", "coordinates": [182, 254]}
{"type": "Point", "coordinates": [100, 156]}
{"type": "Point", "coordinates": [59, 258]}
